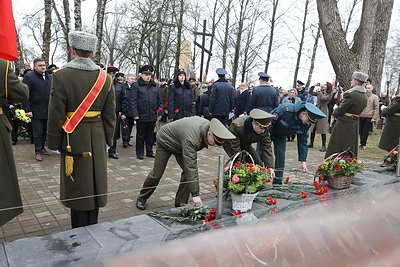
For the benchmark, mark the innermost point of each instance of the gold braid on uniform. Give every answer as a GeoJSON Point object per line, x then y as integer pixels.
{"type": "Point", "coordinates": [69, 161]}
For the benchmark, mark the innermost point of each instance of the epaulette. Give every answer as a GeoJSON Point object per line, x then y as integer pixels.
{"type": "Point", "coordinates": [240, 124]}
{"type": "Point", "coordinates": [290, 109]}
{"type": "Point", "coordinates": [57, 70]}
{"type": "Point", "coordinates": [349, 91]}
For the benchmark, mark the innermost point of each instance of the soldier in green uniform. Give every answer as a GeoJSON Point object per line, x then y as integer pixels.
{"type": "Point", "coordinates": [11, 88]}
{"type": "Point", "coordinates": [345, 132]}
{"type": "Point", "coordinates": [183, 138]}
{"type": "Point", "coordinates": [84, 186]}
{"type": "Point", "coordinates": [391, 130]}
{"type": "Point", "coordinates": [252, 129]}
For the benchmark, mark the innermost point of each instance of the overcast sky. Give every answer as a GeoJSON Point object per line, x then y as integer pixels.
{"type": "Point", "coordinates": [281, 69]}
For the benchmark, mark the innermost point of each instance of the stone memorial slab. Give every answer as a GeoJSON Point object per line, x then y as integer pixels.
{"type": "Point", "coordinates": [3, 259]}
{"type": "Point", "coordinates": [71, 247]}
{"type": "Point", "coordinates": [126, 235]}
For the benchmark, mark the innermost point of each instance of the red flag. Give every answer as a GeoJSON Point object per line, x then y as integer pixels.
{"type": "Point", "coordinates": [8, 36]}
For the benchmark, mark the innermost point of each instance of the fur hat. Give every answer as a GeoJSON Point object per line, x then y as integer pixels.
{"type": "Point", "coordinates": [82, 40]}
{"type": "Point", "coordinates": [360, 76]}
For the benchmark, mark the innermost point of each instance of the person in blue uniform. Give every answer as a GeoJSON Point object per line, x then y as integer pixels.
{"type": "Point", "coordinates": [264, 96]}
{"type": "Point", "coordinates": [222, 98]}
{"type": "Point", "coordinates": [292, 119]}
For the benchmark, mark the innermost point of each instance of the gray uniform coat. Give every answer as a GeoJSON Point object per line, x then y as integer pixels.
{"type": "Point", "coordinates": [70, 86]}
{"type": "Point", "coordinates": [391, 131]}
{"type": "Point", "coordinates": [10, 89]}
{"type": "Point", "coordinates": [345, 132]}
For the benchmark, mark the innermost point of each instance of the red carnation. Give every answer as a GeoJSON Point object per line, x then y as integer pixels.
{"type": "Point", "coordinates": [176, 110]}
{"type": "Point", "coordinates": [158, 110]}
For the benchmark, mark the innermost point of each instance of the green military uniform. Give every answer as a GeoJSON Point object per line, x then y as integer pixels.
{"type": "Point", "coordinates": [391, 131]}
{"type": "Point", "coordinates": [182, 138]}
{"type": "Point", "coordinates": [242, 129]}
{"type": "Point", "coordinates": [70, 86]}
{"type": "Point", "coordinates": [11, 88]}
{"type": "Point", "coordinates": [345, 132]}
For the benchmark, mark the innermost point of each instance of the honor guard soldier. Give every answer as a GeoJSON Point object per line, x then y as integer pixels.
{"type": "Point", "coordinates": [391, 130]}
{"type": "Point", "coordinates": [11, 89]}
{"type": "Point", "coordinates": [81, 122]}
{"type": "Point", "coordinates": [183, 138]}
{"type": "Point", "coordinates": [292, 119]}
{"type": "Point", "coordinates": [249, 130]}
{"type": "Point", "coordinates": [347, 114]}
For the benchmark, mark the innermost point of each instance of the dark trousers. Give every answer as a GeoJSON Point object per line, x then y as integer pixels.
{"type": "Point", "coordinates": [126, 134]}
{"type": "Point", "coordinates": [280, 153]}
{"type": "Point", "coordinates": [365, 127]}
{"type": "Point", "coordinates": [154, 177]}
{"type": "Point", "coordinates": [39, 130]}
{"type": "Point", "coordinates": [80, 218]}
{"type": "Point", "coordinates": [119, 127]}
{"type": "Point", "coordinates": [144, 136]}
{"type": "Point", "coordinates": [222, 118]}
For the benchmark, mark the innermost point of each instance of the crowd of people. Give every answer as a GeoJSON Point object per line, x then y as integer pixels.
{"type": "Point", "coordinates": [79, 110]}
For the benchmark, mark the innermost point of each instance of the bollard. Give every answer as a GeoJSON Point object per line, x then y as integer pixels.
{"type": "Point", "coordinates": [220, 185]}
{"type": "Point", "coordinates": [398, 161]}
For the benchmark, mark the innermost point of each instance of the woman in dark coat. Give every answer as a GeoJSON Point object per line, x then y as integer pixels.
{"type": "Point", "coordinates": [180, 97]}
{"type": "Point", "coordinates": [242, 100]}
{"type": "Point", "coordinates": [205, 102]}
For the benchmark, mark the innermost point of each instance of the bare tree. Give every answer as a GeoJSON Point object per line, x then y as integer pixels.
{"type": "Point", "coordinates": [225, 44]}
{"type": "Point", "coordinates": [47, 30]}
{"type": "Point", "coordinates": [78, 14]}
{"type": "Point", "coordinates": [101, 9]}
{"type": "Point", "coordinates": [369, 37]}
{"type": "Point", "coordinates": [313, 57]}
{"type": "Point", "coordinates": [275, 4]}
{"type": "Point", "coordinates": [301, 43]}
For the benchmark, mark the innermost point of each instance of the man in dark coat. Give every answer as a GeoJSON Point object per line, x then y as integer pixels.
{"type": "Point", "coordinates": [249, 130]}
{"type": "Point", "coordinates": [39, 82]}
{"type": "Point", "coordinates": [292, 119]}
{"type": "Point", "coordinates": [120, 113]}
{"type": "Point", "coordinates": [81, 122]}
{"type": "Point", "coordinates": [242, 100]}
{"type": "Point", "coordinates": [183, 138]}
{"type": "Point", "coordinates": [347, 115]}
{"type": "Point", "coordinates": [301, 91]}
{"type": "Point", "coordinates": [146, 108]}
{"type": "Point", "coordinates": [126, 136]}
{"type": "Point", "coordinates": [11, 89]}
{"type": "Point", "coordinates": [222, 98]}
{"type": "Point", "coordinates": [264, 96]}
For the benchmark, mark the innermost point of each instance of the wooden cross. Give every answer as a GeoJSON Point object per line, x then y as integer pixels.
{"type": "Point", "coordinates": [202, 47]}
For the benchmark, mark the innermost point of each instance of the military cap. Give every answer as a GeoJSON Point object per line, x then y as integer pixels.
{"type": "Point", "coordinates": [261, 117]}
{"type": "Point", "coordinates": [263, 75]}
{"type": "Point", "coordinates": [179, 71]}
{"type": "Point", "coordinates": [112, 70]}
{"type": "Point", "coordinates": [52, 66]}
{"type": "Point", "coordinates": [162, 80]}
{"type": "Point", "coordinates": [82, 40]}
{"type": "Point", "coordinates": [146, 69]}
{"type": "Point", "coordinates": [220, 131]}
{"type": "Point", "coordinates": [191, 79]}
{"type": "Point", "coordinates": [300, 82]}
{"type": "Point", "coordinates": [360, 76]}
{"type": "Point", "coordinates": [313, 112]}
{"type": "Point", "coordinates": [119, 74]}
{"type": "Point", "coordinates": [221, 71]}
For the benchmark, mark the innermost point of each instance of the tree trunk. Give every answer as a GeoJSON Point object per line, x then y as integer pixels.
{"type": "Point", "coordinates": [303, 31]}
{"type": "Point", "coordinates": [78, 15]}
{"type": "Point", "coordinates": [367, 39]}
{"type": "Point", "coordinates": [179, 34]}
{"type": "Point", "coordinates": [213, 28]}
{"type": "Point", "coordinates": [314, 53]}
{"type": "Point", "coordinates": [242, 15]}
{"type": "Point", "coordinates": [47, 30]}
{"type": "Point", "coordinates": [271, 35]}
{"type": "Point", "coordinates": [101, 9]}
{"type": "Point", "coordinates": [226, 35]}
{"type": "Point", "coordinates": [381, 32]}
{"type": "Point", "coordinates": [67, 15]}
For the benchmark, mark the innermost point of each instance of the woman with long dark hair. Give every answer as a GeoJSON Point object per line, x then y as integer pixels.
{"type": "Point", "coordinates": [180, 97]}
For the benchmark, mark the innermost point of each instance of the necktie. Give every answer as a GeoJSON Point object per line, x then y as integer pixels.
{"type": "Point", "coordinates": [44, 76]}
